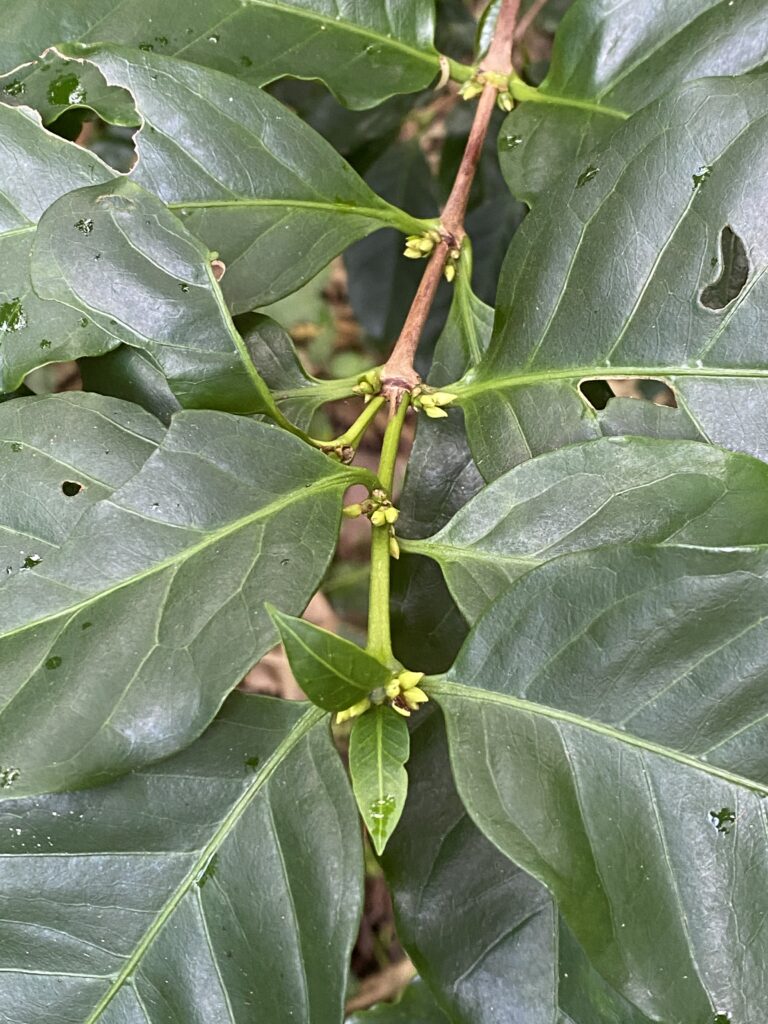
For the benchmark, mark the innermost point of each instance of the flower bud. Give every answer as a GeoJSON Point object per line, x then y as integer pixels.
{"type": "Point", "coordinates": [354, 711]}
{"type": "Point", "coordinates": [352, 511]}
{"type": "Point", "coordinates": [391, 514]}
{"type": "Point", "coordinates": [450, 272]}
{"type": "Point", "coordinates": [378, 518]}
{"type": "Point", "coordinates": [435, 413]}
{"type": "Point", "coordinates": [408, 680]}
{"type": "Point", "coordinates": [394, 548]}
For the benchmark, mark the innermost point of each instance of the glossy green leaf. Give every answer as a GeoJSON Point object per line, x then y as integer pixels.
{"type": "Point", "coordinates": [378, 750]}
{"type": "Point", "coordinates": [611, 491]}
{"type": "Point", "coordinates": [258, 181]}
{"type": "Point", "coordinates": [364, 51]}
{"type": "Point", "coordinates": [415, 1007]}
{"type": "Point", "coordinates": [585, 294]}
{"type": "Point", "coordinates": [607, 731]}
{"type": "Point", "coordinates": [334, 673]}
{"type": "Point", "coordinates": [114, 253]}
{"type": "Point", "coordinates": [130, 374]}
{"type": "Point", "coordinates": [59, 455]}
{"type": "Point", "coordinates": [221, 885]}
{"type": "Point", "coordinates": [36, 168]}
{"type": "Point", "coordinates": [506, 958]}
{"type": "Point", "coordinates": [153, 608]}
{"type": "Point", "coordinates": [608, 63]}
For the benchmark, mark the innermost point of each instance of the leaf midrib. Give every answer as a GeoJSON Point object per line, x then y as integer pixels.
{"type": "Point", "coordinates": [432, 59]}
{"type": "Point", "coordinates": [182, 556]}
{"type": "Point", "coordinates": [310, 718]}
{"type": "Point", "coordinates": [474, 387]}
{"type": "Point", "coordinates": [439, 685]}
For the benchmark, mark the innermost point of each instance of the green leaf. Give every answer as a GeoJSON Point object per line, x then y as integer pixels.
{"type": "Point", "coordinates": [297, 394]}
{"type": "Point", "coordinates": [378, 750]}
{"type": "Point", "coordinates": [223, 883]}
{"type": "Point", "coordinates": [415, 1007]}
{"type": "Point", "coordinates": [606, 65]}
{"type": "Point", "coordinates": [506, 958]}
{"type": "Point", "coordinates": [257, 180]}
{"type": "Point", "coordinates": [364, 52]}
{"type": "Point", "coordinates": [333, 672]}
{"type": "Point", "coordinates": [130, 374]}
{"type": "Point", "coordinates": [585, 294]}
{"type": "Point", "coordinates": [153, 608]}
{"type": "Point", "coordinates": [115, 253]}
{"type": "Point", "coordinates": [60, 454]}
{"type": "Point", "coordinates": [611, 491]}
{"type": "Point", "coordinates": [34, 332]}
{"type": "Point", "coordinates": [481, 932]}
{"type": "Point", "coordinates": [607, 732]}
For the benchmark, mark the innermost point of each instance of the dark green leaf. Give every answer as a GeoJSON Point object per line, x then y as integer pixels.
{"type": "Point", "coordinates": [36, 168]}
{"type": "Point", "coordinates": [257, 180]}
{"type": "Point", "coordinates": [153, 608]}
{"type": "Point", "coordinates": [333, 672]}
{"type": "Point", "coordinates": [114, 253]}
{"type": "Point", "coordinates": [222, 885]}
{"type": "Point", "coordinates": [585, 294]}
{"type": "Point", "coordinates": [607, 732]}
{"type": "Point", "coordinates": [60, 454]}
{"type": "Point", "coordinates": [130, 374]}
{"type": "Point", "coordinates": [611, 491]}
{"type": "Point", "coordinates": [297, 394]}
{"type": "Point", "coordinates": [378, 750]}
{"type": "Point", "coordinates": [605, 58]}
{"type": "Point", "coordinates": [364, 52]}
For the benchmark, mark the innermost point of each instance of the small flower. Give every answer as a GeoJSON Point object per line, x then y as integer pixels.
{"type": "Point", "coordinates": [404, 693]}
{"type": "Point", "coordinates": [354, 711]}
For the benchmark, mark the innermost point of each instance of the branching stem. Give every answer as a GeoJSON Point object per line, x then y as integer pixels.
{"type": "Point", "coordinates": [398, 375]}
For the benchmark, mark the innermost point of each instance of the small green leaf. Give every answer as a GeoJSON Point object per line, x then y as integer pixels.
{"type": "Point", "coordinates": [378, 750]}
{"type": "Point", "coordinates": [333, 672]}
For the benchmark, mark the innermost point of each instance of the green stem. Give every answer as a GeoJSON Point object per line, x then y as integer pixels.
{"type": "Point", "coordinates": [353, 435]}
{"type": "Point", "coordinates": [379, 634]}
{"type": "Point", "coordinates": [461, 72]}
{"type": "Point", "coordinates": [524, 93]}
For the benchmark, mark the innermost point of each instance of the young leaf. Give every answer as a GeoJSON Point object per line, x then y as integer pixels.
{"type": "Point", "coordinates": [364, 52]}
{"type": "Point", "coordinates": [153, 608]}
{"type": "Point", "coordinates": [612, 491]}
{"type": "Point", "coordinates": [222, 884]}
{"type": "Point", "coordinates": [257, 177]}
{"type": "Point", "coordinates": [378, 750]}
{"type": "Point", "coordinates": [605, 65]}
{"type": "Point", "coordinates": [607, 732]}
{"type": "Point", "coordinates": [35, 332]}
{"type": "Point", "coordinates": [333, 672]}
{"type": "Point", "coordinates": [115, 253]}
{"type": "Point", "coordinates": [568, 309]}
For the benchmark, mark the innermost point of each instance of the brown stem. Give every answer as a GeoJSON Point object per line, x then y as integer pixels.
{"type": "Point", "coordinates": [398, 374]}
{"type": "Point", "coordinates": [528, 18]}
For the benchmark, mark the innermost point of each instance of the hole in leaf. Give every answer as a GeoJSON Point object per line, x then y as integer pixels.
{"type": "Point", "coordinates": [71, 487]}
{"type": "Point", "coordinates": [734, 271]}
{"type": "Point", "coordinates": [598, 391]}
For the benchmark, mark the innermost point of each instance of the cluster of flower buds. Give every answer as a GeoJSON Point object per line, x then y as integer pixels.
{"type": "Point", "coordinates": [475, 85]}
{"type": "Point", "coordinates": [403, 694]}
{"type": "Point", "coordinates": [418, 247]}
{"type": "Point", "coordinates": [449, 271]}
{"type": "Point", "coordinates": [381, 512]}
{"type": "Point", "coordinates": [431, 401]}
{"type": "Point", "coordinates": [368, 385]}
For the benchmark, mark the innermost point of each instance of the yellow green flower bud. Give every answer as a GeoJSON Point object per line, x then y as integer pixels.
{"type": "Point", "coordinates": [414, 697]}
{"type": "Point", "coordinates": [413, 254]}
{"type": "Point", "coordinates": [408, 680]}
{"type": "Point", "coordinates": [425, 244]}
{"type": "Point", "coordinates": [392, 689]}
{"type": "Point", "coordinates": [505, 101]}
{"type": "Point", "coordinates": [394, 548]}
{"type": "Point", "coordinates": [435, 413]}
{"type": "Point", "coordinates": [378, 518]}
{"type": "Point", "coordinates": [427, 401]}
{"type": "Point", "coordinates": [441, 398]}
{"type": "Point", "coordinates": [450, 272]}
{"type": "Point", "coordinates": [354, 711]}
{"type": "Point", "coordinates": [401, 710]}
{"type": "Point", "coordinates": [352, 511]}
{"type": "Point", "coordinates": [391, 514]}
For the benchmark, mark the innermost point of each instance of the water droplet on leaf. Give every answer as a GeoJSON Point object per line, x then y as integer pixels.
{"type": "Point", "coordinates": [508, 142]}
{"type": "Point", "coordinates": [14, 88]}
{"type": "Point", "coordinates": [31, 561]}
{"type": "Point", "coordinates": [84, 225]}
{"type": "Point", "coordinates": [16, 447]}
{"type": "Point", "coordinates": [45, 343]}
{"type": "Point", "coordinates": [252, 762]}
{"type": "Point", "coordinates": [700, 177]}
{"type": "Point", "coordinates": [723, 820]}
{"type": "Point", "coordinates": [8, 776]}
{"type": "Point", "coordinates": [53, 663]}
{"type": "Point", "coordinates": [381, 809]}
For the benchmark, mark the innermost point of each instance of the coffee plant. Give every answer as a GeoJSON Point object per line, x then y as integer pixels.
{"type": "Point", "coordinates": [557, 733]}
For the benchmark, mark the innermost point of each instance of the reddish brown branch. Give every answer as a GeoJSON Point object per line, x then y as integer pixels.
{"type": "Point", "coordinates": [398, 374]}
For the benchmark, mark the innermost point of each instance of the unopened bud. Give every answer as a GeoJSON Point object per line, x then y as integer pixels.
{"type": "Point", "coordinates": [505, 101]}
{"type": "Point", "coordinates": [441, 398]}
{"type": "Point", "coordinates": [394, 548]}
{"type": "Point", "coordinates": [413, 254]}
{"type": "Point", "coordinates": [378, 518]}
{"type": "Point", "coordinates": [352, 511]}
{"type": "Point", "coordinates": [435, 414]}
{"type": "Point", "coordinates": [450, 272]}
{"type": "Point", "coordinates": [391, 514]}
{"type": "Point", "coordinates": [354, 711]}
